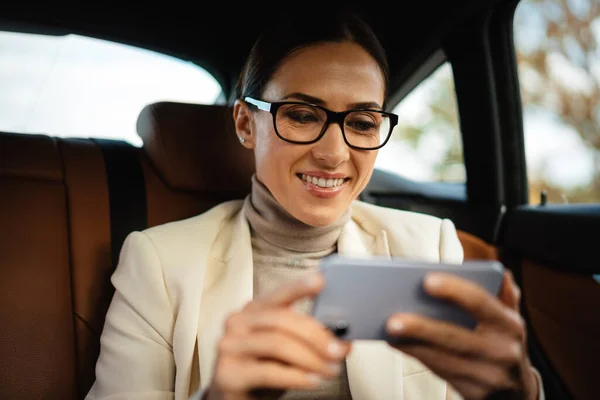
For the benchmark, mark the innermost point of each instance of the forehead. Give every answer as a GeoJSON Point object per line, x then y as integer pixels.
{"type": "Point", "coordinates": [338, 73]}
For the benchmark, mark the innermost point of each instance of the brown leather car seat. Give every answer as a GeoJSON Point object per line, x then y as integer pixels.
{"type": "Point", "coordinates": [56, 251]}
{"type": "Point", "coordinates": [65, 205]}
{"type": "Point", "coordinates": [36, 320]}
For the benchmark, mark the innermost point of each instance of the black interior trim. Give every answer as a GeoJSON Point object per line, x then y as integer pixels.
{"type": "Point", "coordinates": [31, 28]}
{"type": "Point", "coordinates": [468, 51]}
{"type": "Point", "coordinates": [126, 192]}
{"type": "Point", "coordinates": [563, 237]}
{"type": "Point", "coordinates": [426, 68]}
{"type": "Point", "coordinates": [510, 109]}
{"type": "Point", "coordinates": [185, 34]}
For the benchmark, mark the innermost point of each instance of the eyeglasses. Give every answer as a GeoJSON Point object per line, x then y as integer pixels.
{"type": "Point", "coordinates": [304, 123]}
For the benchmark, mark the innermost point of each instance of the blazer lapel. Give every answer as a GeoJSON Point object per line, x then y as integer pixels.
{"type": "Point", "coordinates": [228, 287]}
{"type": "Point", "coordinates": [373, 370]}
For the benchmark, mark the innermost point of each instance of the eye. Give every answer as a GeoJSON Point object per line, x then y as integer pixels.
{"type": "Point", "coordinates": [301, 116]}
{"type": "Point", "coordinates": [361, 125]}
{"type": "Point", "coordinates": [363, 121]}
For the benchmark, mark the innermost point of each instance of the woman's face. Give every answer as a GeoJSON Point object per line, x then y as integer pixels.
{"type": "Point", "coordinates": [337, 76]}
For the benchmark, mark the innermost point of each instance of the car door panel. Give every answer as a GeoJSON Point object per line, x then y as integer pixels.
{"type": "Point", "coordinates": [554, 251]}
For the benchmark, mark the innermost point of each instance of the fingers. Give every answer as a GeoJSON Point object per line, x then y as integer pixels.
{"type": "Point", "coordinates": [269, 345]}
{"type": "Point", "coordinates": [455, 339]}
{"type": "Point", "coordinates": [291, 292]}
{"type": "Point", "coordinates": [451, 367]}
{"type": "Point", "coordinates": [277, 346]}
{"type": "Point", "coordinates": [278, 376]}
{"type": "Point", "coordinates": [476, 300]}
{"type": "Point", "coordinates": [301, 327]}
{"type": "Point", "coordinates": [239, 376]}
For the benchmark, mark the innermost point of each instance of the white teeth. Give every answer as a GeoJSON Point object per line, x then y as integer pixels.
{"type": "Point", "coordinates": [322, 182]}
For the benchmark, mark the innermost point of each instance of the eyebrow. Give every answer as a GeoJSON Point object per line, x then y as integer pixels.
{"type": "Point", "coordinates": [315, 100]}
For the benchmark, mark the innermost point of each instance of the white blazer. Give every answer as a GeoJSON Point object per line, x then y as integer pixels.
{"type": "Point", "coordinates": [176, 284]}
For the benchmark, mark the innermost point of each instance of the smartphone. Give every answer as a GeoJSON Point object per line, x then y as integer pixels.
{"type": "Point", "coordinates": [360, 294]}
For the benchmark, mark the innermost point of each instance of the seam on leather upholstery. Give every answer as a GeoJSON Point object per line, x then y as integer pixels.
{"type": "Point", "coordinates": [84, 322]}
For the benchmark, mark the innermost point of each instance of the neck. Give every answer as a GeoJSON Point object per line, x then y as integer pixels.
{"type": "Point", "coordinates": [271, 222]}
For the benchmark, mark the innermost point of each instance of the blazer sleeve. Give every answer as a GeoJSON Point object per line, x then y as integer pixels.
{"type": "Point", "coordinates": [136, 356]}
{"type": "Point", "coordinates": [451, 250]}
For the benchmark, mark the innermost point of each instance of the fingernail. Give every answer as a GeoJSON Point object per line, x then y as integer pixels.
{"type": "Point", "coordinates": [335, 349]}
{"type": "Point", "coordinates": [395, 326]}
{"type": "Point", "coordinates": [315, 380]}
{"type": "Point", "coordinates": [433, 281]}
{"type": "Point", "coordinates": [334, 368]}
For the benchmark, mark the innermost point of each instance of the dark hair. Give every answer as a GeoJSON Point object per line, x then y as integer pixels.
{"type": "Point", "coordinates": [298, 30]}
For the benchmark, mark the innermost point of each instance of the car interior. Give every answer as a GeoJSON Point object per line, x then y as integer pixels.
{"type": "Point", "coordinates": [67, 204]}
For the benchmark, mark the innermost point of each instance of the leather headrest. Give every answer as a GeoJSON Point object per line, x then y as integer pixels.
{"type": "Point", "coordinates": [30, 156]}
{"type": "Point", "coordinates": [194, 147]}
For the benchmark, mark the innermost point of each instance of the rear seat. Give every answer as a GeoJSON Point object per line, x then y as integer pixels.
{"type": "Point", "coordinates": [57, 234]}
{"type": "Point", "coordinates": [36, 319]}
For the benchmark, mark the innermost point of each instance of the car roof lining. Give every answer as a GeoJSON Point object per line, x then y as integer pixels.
{"type": "Point", "coordinates": [410, 38]}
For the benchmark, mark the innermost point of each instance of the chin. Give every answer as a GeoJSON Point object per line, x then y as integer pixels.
{"type": "Point", "coordinates": [320, 216]}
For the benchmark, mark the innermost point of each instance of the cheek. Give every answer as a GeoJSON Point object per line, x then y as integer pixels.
{"type": "Point", "coordinates": [274, 157]}
{"type": "Point", "coordinates": [364, 162]}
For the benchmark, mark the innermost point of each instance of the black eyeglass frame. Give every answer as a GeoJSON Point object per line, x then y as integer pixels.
{"type": "Point", "coordinates": [332, 116]}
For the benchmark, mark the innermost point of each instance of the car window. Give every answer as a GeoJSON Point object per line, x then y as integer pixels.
{"type": "Point", "coordinates": [426, 145]}
{"type": "Point", "coordinates": [76, 86]}
{"type": "Point", "coordinates": [558, 53]}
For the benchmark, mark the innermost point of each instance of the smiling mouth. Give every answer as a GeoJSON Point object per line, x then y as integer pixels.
{"type": "Point", "coordinates": [325, 183]}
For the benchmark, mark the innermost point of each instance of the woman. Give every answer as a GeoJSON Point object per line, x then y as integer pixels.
{"type": "Point", "coordinates": [217, 305]}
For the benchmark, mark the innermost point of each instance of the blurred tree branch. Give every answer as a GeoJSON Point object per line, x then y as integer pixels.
{"type": "Point", "coordinates": [576, 108]}
{"type": "Point", "coordinates": [568, 34]}
{"type": "Point", "coordinates": [569, 41]}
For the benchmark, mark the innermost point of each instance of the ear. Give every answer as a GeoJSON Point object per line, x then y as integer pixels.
{"type": "Point", "coordinates": [244, 124]}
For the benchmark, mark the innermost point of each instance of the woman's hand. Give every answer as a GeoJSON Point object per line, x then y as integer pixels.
{"type": "Point", "coordinates": [492, 359]}
{"type": "Point", "coordinates": [268, 345]}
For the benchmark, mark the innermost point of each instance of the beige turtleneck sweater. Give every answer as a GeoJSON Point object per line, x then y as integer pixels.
{"type": "Point", "coordinates": [285, 249]}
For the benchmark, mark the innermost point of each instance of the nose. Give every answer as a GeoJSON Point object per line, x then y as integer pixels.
{"type": "Point", "coordinates": [331, 151]}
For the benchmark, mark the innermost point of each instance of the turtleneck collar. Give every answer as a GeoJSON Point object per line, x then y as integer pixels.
{"type": "Point", "coordinates": [275, 225]}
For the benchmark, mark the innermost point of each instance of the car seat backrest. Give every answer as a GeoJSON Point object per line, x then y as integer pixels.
{"type": "Point", "coordinates": [36, 322]}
